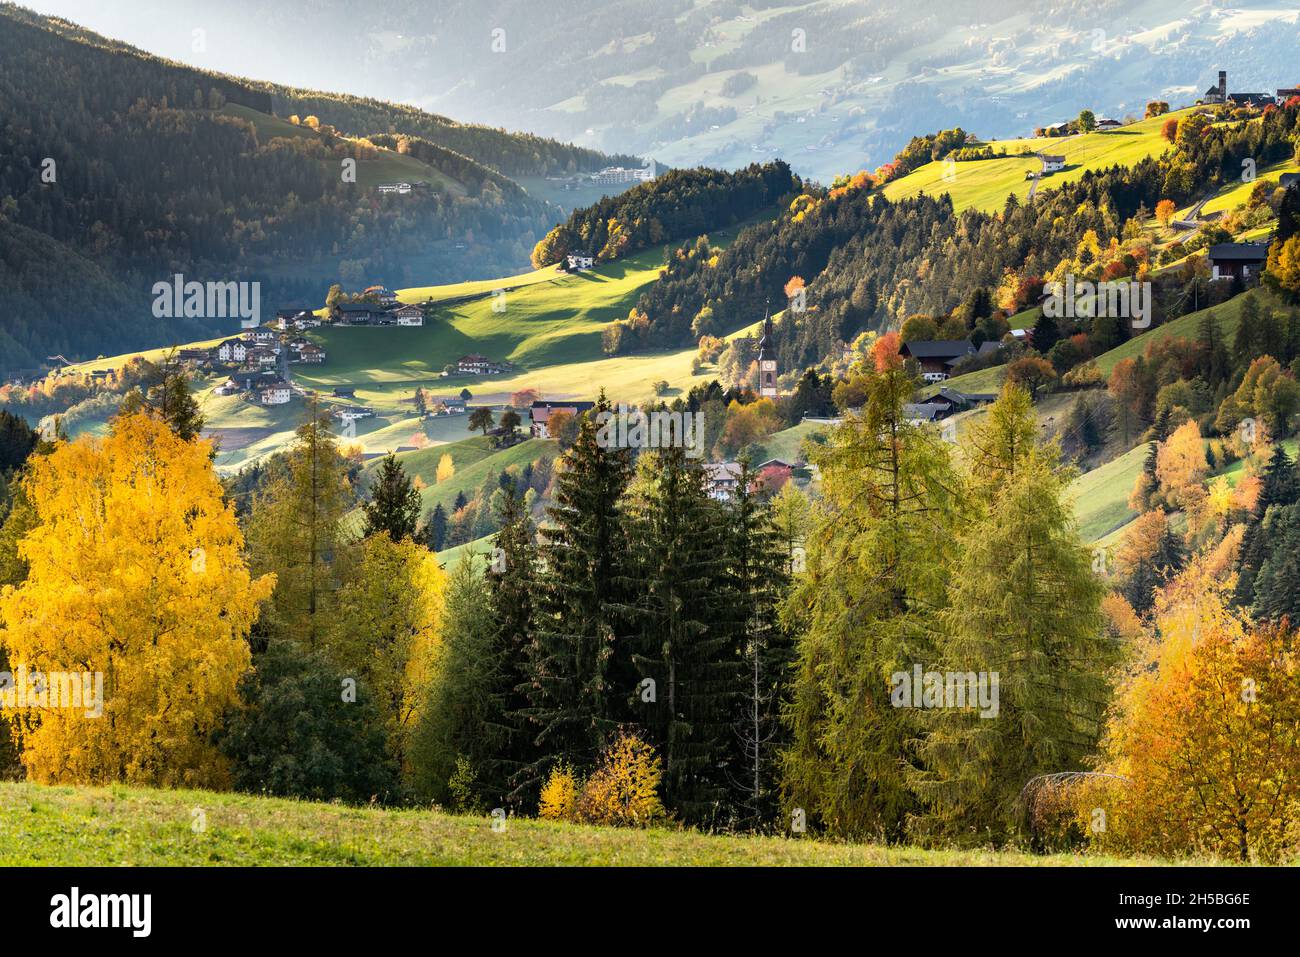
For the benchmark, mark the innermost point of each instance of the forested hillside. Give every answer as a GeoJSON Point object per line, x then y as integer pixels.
{"type": "Point", "coordinates": [864, 263]}
{"type": "Point", "coordinates": [122, 169]}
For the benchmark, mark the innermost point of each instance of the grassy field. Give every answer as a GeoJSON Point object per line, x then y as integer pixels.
{"type": "Point", "coordinates": [1234, 194]}
{"type": "Point", "coordinates": [120, 826]}
{"type": "Point", "coordinates": [539, 324]}
{"type": "Point", "coordinates": [1101, 496]}
{"type": "Point", "coordinates": [474, 461]}
{"type": "Point", "coordinates": [985, 184]}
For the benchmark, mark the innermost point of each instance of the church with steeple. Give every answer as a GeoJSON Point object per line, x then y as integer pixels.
{"type": "Point", "coordinates": [767, 361]}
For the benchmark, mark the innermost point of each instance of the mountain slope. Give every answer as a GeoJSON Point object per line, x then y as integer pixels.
{"type": "Point", "coordinates": [143, 168]}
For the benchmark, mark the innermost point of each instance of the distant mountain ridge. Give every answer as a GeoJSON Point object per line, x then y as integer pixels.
{"type": "Point", "coordinates": [828, 85]}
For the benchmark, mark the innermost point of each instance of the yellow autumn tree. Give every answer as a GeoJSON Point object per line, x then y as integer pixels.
{"type": "Point", "coordinates": [558, 800]}
{"type": "Point", "coordinates": [387, 630]}
{"type": "Point", "coordinates": [1181, 466]}
{"type": "Point", "coordinates": [137, 572]}
{"type": "Point", "coordinates": [624, 789]}
{"type": "Point", "coordinates": [446, 468]}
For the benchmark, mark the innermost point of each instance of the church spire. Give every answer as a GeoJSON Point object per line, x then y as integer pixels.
{"type": "Point", "coordinates": [767, 359]}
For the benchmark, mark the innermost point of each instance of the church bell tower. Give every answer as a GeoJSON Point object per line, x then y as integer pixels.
{"type": "Point", "coordinates": [766, 362]}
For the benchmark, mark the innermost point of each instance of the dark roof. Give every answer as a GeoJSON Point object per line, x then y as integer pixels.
{"type": "Point", "coordinates": [938, 348]}
{"type": "Point", "coordinates": [1254, 99]}
{"type": "Point", "coordinates": [1239, 252]}
{"type": "Point", "coordinates": [962, 398]}
{"type": "Point", "coordinates": [923, 410]}
{"type": "Point", "coordinates": [358, 307]}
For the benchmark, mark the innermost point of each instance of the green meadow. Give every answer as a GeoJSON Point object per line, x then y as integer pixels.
{"type": "Point", "coordinates": [136, 827]}
{"type": "Point", "coordinates": [985, 184]}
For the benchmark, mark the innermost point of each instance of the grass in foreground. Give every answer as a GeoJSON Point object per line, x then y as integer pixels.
{"type": "Point", "coordinates": [74, 826]}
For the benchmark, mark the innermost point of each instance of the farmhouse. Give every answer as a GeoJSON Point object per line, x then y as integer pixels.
{"type": "Point", "coordinates": [936, 358]}
{"type": "Point", "coordinates": [312, 353]}
{"type": "Point", "coordinates": [953, 401]}
{"type": "Point", "coordinates": [380, 294]}
{"type": "Point", "coordinates": [1106, 123]}
{"type": "Point", "coordinates": [474, 364]}
{"type": "Point", "coordinates": [542, 411]}
{"type": "Point", "coordinates": [577, 261]}
{"type": "Point", "coordinates": [1052, 164]}
{"type": "Point", "coordinates": [722, 479]}
{"type": "Point", "coordinates": [408, 315]}
{"type": "Point", "coordinates": [773, 473]}
{"type": "Point", "coordinates": [1237, 260]}
{"type": "Point", "coordinates": [261, 356]}
{"type": "Point", "coordinates": [350, 413]}
{"type": "Point", "coordinates": [447, 406]}
{"type": "Point", "coordinates": [249, 380]}
{"type": "Point", "coordinates": [298, 319]}
{"type": "Point", "coordinates": [919, 412]}
{"type": "Point", "coordinates": [400, 188]}
{"type": "Point", "coordinates": [276, 393]}
{"type": "Point", "coordinates": [357, 313]}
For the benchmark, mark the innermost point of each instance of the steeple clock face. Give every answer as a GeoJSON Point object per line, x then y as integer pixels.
{"type": "Point", "coordinates": [767, 365]}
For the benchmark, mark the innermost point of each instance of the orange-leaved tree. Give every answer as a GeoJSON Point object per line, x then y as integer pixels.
{"type": "Point", "coordinates": [1207, 733]}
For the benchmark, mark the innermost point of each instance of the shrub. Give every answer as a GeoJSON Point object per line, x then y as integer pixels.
{"type": "Point", "coordinates": [623, 792]}
{"type": "Point", "coordinates": [559, 798]}
{"type": "Point", "coordinates": [464, 799]}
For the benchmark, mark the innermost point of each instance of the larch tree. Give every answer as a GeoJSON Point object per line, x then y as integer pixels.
{"type": "Point", "coordinates": [1207, 733]}
{"type": "Point", "coordinates": [867, 607]}
{"type": "Point", "coordinates": [136, 572]}
{"type": "Point", "coordinates": [1024, 606]}
{"type": "Point", "coordinates": [461, 717]}
{"type": "Point", "coordinates": [295, 532]}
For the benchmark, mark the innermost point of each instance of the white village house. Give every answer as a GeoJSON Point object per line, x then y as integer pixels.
{"type": "Point", "coordinates": [276, 393]}
{"type": "Point", "coordinates": [408, 315]}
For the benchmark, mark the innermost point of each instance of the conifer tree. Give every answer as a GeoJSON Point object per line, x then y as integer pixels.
{"type": "Point", "coordinates": [164, 391]}
{"type": "Point", "coordinates": [434, 533]}
{"type": "Point", "coordinates": [685, 615]}
{"type": "Point", "coordinates": [394, 506]}
{"type": "Point", "coordinates": [868, 608]}
{"type": "Point", "coordinates": [294, 531]}
{"type": "Point", "coordinates": [510, 577]}
{"type": "Point", "coordinates": [759, 562]}
{"type": "Point", "coordinates": [1025, 607]}
{"type": "Point", "coordinates": [1277, 585]}
{"type": "Point", "coordinates": [582, 676]}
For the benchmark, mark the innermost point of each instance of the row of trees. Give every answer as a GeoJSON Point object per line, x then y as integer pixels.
{"type": "Point", "coordinates": [642, 605]}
